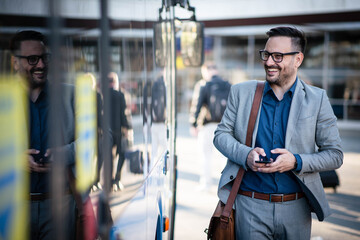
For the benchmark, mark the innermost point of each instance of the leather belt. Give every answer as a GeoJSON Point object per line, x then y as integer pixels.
{"type": "Point", "coordinates": [43, 196]}
{"type": "Point", "coordinates": [272, 197]}
{"type": "Point", "coordinates": [39, 196]}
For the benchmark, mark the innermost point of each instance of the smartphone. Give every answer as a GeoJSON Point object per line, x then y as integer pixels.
{"type": "Point", "coordinates": [38, 158]}
{"type": "Point", "coordinates": [263, 160]}
{"type": "Point", "coordinates": [45, 159]}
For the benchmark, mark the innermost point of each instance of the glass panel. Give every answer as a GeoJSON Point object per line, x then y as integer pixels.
{"type": "Point", "coordinates": [344, 82]}
{"type": "Point", "coordinates": [259, 72]}
{"type": "Point", "coordinates": [311, 71]}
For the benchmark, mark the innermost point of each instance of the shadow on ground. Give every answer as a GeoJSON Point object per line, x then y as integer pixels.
{"type": "Point", "coordinates": [345, 213]}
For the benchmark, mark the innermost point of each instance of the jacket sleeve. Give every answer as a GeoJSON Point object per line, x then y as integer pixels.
{"type": "Point", "coordinates": [194, 102]}
{"type": "Point", "coordinates": [68, 125]}
{"type": "Point", "coordinates": [225, 140]}
{"type": "Point", "coordinates": [201, 102]}
{"type": "Point", "coordinates": [123, 119]}
{"type": "Point", "coordinates": [329, 155]}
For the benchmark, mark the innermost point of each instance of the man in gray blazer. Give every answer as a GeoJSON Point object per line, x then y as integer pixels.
{"type": "Point", "coordinates": [295, 130]}
{"type": "Point", "coordinates": [30, 58]}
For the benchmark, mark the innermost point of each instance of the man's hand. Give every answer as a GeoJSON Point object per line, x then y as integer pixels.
{"type": "Point", "coordinates": [253, 156]}
{"type": "Point", "coordinates": [284, 162]}
{"type": "Point", "coordinates": [33, 165]}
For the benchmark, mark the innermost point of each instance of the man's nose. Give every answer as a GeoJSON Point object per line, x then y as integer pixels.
{"type": "Point", "coordinates": [40, 63]}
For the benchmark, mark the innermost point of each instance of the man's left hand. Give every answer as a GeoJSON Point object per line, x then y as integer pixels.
{"type": "Point", "coordinates": [284, 162]}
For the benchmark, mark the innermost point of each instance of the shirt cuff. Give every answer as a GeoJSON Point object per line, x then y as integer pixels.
{"type": "Point", "coordinates": [299, 162]}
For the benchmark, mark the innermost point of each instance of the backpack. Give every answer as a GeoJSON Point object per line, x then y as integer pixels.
{"type": "Point", "coordinates": [218, 92]}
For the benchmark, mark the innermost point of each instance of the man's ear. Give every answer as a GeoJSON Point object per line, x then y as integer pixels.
{"type": "Point", "coordinates": [299, 59]}
{"type": "Point", "coordinates": [15, 63]}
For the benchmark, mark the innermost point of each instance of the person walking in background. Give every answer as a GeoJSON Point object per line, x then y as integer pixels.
{"type": "Point", "coordinates": [194, 100]}
{"type": "Point", "coordinates": [210, 106]}
{"type": "Point", "coordinates": [119, 128]}
{"type": "Point", "coordinates": [296, 131]}
{"type": "Point", "coordinates": [30, 59]}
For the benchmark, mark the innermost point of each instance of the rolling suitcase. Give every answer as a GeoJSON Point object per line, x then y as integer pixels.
{"type": "Point", "coordinates": [330, 179]}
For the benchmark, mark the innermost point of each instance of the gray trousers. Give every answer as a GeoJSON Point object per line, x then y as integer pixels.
{"type": "Point", "coordinates": [257, 219]}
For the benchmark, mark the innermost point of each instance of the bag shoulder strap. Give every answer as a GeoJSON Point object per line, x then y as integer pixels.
{"type": "Point", "coordinates": [254, 111]}
{"type": "Point", "coordinates": [252, 119]}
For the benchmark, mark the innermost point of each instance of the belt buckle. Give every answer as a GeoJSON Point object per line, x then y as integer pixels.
{"type": "Point", "coordinates": [277, 195]}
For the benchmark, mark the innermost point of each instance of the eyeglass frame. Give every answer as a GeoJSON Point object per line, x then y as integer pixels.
{"type": "Point", "coordinates": [272, 56]}
{"type": "Point", "coordinates": [43, 56]}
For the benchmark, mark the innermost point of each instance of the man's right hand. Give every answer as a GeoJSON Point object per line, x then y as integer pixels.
{"type": "Point", "coordinates": [253, 156]}
{"type": "Point", "coordinates": [34, 166]}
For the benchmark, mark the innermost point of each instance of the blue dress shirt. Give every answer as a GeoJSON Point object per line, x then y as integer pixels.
{"type": "Point", "coordinates": [271, 134]}
{"type": "Point", "coordinates": [39, 182]}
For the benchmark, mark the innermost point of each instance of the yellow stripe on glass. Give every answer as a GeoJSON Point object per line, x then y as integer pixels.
{"type": "Point", "coordinates": [86, 133]}
{"type": "Point", "coordinates": [14, 185]}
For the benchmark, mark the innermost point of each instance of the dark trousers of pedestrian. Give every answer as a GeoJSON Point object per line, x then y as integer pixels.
{"type": "Point", "coordinates": [42, 219]}
{"type": "Point", "coordinates": [120, 152]}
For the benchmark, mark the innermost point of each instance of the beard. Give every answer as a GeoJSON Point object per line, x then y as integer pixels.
{"type": "Point", "coordinates": [282, 77]}
{"type": "Point", "coordinates": [38, 80]}
{"type": "Point", "coordinates": [36, 84]}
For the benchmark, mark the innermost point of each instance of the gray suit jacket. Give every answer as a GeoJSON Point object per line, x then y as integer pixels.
{"type": "Point", "coordinates": [311, 132]}
{"type": "Point", "coordinates": [67, 123]}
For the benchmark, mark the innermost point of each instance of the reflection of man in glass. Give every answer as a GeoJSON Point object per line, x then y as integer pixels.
{"type": "Point", "coordinates": [158, 117]}
{"type": "Point", "coordinates": [119, 127]}
{"type": "Point", "coordinates": [30, 60]}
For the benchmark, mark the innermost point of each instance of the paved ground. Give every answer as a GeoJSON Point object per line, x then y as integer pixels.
{"type": "Point", "coordinates": [194, 208]}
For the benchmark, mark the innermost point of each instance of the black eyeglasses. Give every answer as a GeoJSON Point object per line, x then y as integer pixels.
{"type": "Point", "coordinates": [276, 56]}
{"type": "Point", "coordinates": [34, 59]}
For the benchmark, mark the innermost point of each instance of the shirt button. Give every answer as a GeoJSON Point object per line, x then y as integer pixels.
{"type": "Point", "coordinates": [231, 177]}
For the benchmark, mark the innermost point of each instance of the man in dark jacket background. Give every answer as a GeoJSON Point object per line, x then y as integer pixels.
{"type": "Point", "coordinates": [119, 126]}
{"type": "Point", "coordinates": [210, 106]}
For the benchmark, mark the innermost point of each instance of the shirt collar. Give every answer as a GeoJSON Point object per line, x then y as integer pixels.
{"type": "Point", "coordinates": [291, 91]}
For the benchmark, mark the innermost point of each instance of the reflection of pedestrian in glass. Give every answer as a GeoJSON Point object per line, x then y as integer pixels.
{"type": "Point", "coordinates": [158, 117]}
{"type": "Point", "coordinates": [210, 105]}
{"type": "Point", "coordinates": [30, 60]}
{"type": "Point", "coordinates": [119, 126]}
{"type": "Point", "coordinates": [194, 100]}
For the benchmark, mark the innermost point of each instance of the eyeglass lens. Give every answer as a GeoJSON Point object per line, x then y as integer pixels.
{"type": "Point", "coordinates": [277, 57]}
{"type": "Point", "coordinates": [34, 59]}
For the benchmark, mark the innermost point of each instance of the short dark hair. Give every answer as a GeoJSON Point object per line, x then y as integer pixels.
{"type": "Point", "coordinates": [19, 37]}
{"type": "Point", "coordinates": [298, 38]}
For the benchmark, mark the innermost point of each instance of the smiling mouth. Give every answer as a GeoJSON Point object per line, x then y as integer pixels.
{"type": "Point", "coordinates": [271, 70]}
{"type": "Point", "coordinates": [40, 73]}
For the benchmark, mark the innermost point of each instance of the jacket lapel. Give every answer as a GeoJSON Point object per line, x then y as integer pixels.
{"type": "Point", "coordinates": [295, 111]}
